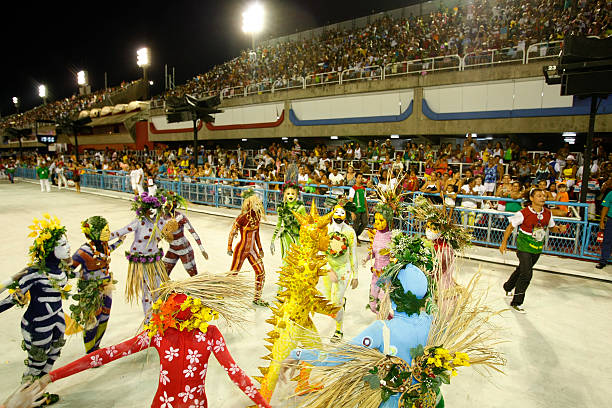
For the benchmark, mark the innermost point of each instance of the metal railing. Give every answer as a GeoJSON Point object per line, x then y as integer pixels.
{"type": "Point", "coordinates": [486, 225]}
{"type": "Point", "coordinates": [543, 50]}
{"type": "Point", "coordinates": [363, 73]}
{"type": "Point", "coordinates": [493, 57]}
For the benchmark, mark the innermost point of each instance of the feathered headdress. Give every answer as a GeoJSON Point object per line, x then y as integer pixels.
{"type": "Point", "coordinates": [441, 220]}
{"type": "Point", "coordinates": [93, 226]}
{"type": "Point", "coordinates": [390, 198]}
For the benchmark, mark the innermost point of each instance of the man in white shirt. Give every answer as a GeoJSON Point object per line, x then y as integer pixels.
{"type": "Point", "coordinates": [136, 178]}
{"type": "Point", "coordinates": [336, 179]}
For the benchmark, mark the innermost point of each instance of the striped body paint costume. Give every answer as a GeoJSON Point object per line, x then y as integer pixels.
{"type": "Point", "coordinates": [180, 248]}
{"type": "Point", "coordinates": [96, 268]}
{"type": "Point", "coordinates": [42, 325]}
{"type": "Point", "coordinates": [249, 248]}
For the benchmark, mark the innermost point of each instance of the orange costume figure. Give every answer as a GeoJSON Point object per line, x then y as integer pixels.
{"type": "Point", "coordinates": [249, 248]}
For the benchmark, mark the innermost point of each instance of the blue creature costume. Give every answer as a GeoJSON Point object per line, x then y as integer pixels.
{"type": "Point", "coordinates": [42, 325]}
{"type": "Point", "coordinates": [395, 337]}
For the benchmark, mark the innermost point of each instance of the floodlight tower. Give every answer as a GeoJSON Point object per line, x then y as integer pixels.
{"type": "Point", "coordinates": [16, 103]}
{"type": "Point", "coordinates": [143, 61]}
{"type": "Point", "coordinates": [42, 92]}
{"type": "Point", "coordinates": [253, 21]}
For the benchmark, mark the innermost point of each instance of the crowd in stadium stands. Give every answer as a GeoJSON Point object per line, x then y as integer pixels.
{"type": "Point", "coordinates": [474, 26]}
{"type": "Point", "coordinates": [505, 171]}
{"type": "Point", "coordinates": [60, 108]}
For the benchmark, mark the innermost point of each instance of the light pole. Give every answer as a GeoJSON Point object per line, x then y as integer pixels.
{"type": "Point", "coordinates": [253, 21]}
{"type": "Point", "coordinates": [16, 103]}
{"type": "Point", "coordinates": [143, 61]}
{"type": "Point", "coordinates": [42, 92]}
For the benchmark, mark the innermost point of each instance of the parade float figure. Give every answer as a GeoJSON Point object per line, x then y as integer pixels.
{"type": "Point", "coordinates": [41, 286]}
{"type": "Point", "coordinates": [342, 260]}
{"type": "Point", "coordinates": [298, 298]}
{"type": "Point", "coordinates": [174, 233]}
{"type": "Point", "coordinates": [389, 206]}
{"type": "Point", "coordinates": [94, 299]}
{"type": "Point", "coordinates": [446, 237]}
{"type": "Point", "coordinates": [179, 329]}
{"type": "Point", "coordinates": [287, 226]}
{"type": "Point", "coordinates": [402, 362]}
{"type": "Point", "coordinates": [249, 248]}
{"type": "Point", "coordinates": [146, 271]}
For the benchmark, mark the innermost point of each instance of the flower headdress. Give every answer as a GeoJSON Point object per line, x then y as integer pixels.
{"type": "Point", "coordinates": [192, 303]}
{"type": "Point", "coordinates": [144, 202]}
{"type": "Point", "coordinates": [46, 233]}
{"type": "Point", "coordinates": [442, 220]}
{"type": "Point", "coordinates": [93, 226]}
{"type": "Point", "coordinates": [289, 185]}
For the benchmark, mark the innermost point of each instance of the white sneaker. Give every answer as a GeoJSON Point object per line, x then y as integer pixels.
{"type": "Point", "coordinates": [518, 308]}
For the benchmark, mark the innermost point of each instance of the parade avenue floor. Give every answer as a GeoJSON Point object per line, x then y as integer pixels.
{"type": "Point", "coordinates": [558, 354]}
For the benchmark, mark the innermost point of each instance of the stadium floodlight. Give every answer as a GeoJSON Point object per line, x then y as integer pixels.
{"type": "Point", "coordinates": [82, 78]}
{"type": "Point", "coordinates": [15, 100]}
{"type": "Point", "coordinates": [142, 57]}
{"type": "Point", "coordinates": [42, 91]}
{"type": "Point", "coordinates": [253, 19]}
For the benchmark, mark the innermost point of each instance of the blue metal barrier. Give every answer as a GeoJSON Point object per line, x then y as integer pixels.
{"type": "Point", "coordinates": [487, 226]}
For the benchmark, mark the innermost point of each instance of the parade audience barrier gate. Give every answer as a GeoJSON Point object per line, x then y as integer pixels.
{"type": "Point", "coordinates": [486, 225]}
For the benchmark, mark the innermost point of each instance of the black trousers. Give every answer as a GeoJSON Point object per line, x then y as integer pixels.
{"type": "Point", "coordinates": [360, 223]}
{"type": "Point", "coordinates": [521, 277]}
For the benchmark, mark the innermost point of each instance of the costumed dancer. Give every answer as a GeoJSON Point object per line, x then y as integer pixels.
{"type": "Point", "coordinates": [42, 284]}
{"type": "Point", "coordinates": [249, 248]}
{"type": "Point", "coordinates": [298, 299]}
{"type": "Point", "coordinates": [146, 271]}
{"type": "Point", "coordinates": [389, 206]}
{"type": "Point", "coordinates": [94, 299]}
{"type": "Point", "coordinates": [447, 237]}
{"type": "Point", "coordinates": [402, 362]}
{"type": "Point", "coordinates": [342, 259]}
{"type": "Point", "coordinates": [287, 227]}
{"type": "Point", "coordinates": [181, 332]}
{"type": "Point", "coordinates": [174, 233]}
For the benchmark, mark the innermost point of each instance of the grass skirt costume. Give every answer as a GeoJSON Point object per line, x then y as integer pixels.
{"type": "Point", "coordinates": [179, 330]}
{"type": "Point", "coordinates": [42, 285]}
{"type": "Point", "coordinates": [146, 271]}
{"type": "Point", "coordinates": [96, 284]}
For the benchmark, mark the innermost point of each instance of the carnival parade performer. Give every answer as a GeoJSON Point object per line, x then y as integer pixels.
{"type": "Point", "coordinates": [181, 332]}
{"type": "Point", "coordinates": [41, 286]}
{"type": "Point", "coordinates": [446, 236]}
{"type": "Point", "coordinates": [287, 227]}
{"type": "Point", "coordinates": [403, 361]}
{"type": "Point", "coordinates": [388, 207]}
{"type": "Point", "coordinates": [298, 298]}
{"type": "Point", "coordinates": [532, 223]}
{"type": "Point", "coordinates": [342, 260]}
{"type": "Point", "coordinates": [249, 248]}
{"type": "Point", "coordinates": [146, 270]}
{"type": "Point", "coordinates": [94, 300]}
{"type": "Point", "coordinates": [174, 233]}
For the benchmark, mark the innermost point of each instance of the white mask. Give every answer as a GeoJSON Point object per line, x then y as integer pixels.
{"type": "Point", "coordinates": [62, 249]}
{"type": "Point", "coordinates": [432, 236]}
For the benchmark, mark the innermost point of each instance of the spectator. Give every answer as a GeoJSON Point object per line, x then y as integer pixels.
{"type": "Point", "coordinates": [492, 173]}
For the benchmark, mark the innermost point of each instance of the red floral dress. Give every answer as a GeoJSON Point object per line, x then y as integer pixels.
{"type": "Point", "coordinates": [184, 362]}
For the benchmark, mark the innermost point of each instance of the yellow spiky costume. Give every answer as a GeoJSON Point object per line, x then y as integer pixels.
{"type": "Point", "coordinates": [298, 297]}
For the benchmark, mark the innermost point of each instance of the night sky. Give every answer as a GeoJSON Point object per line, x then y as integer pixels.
{"type": "Point", "coordinates": [49, 42]}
